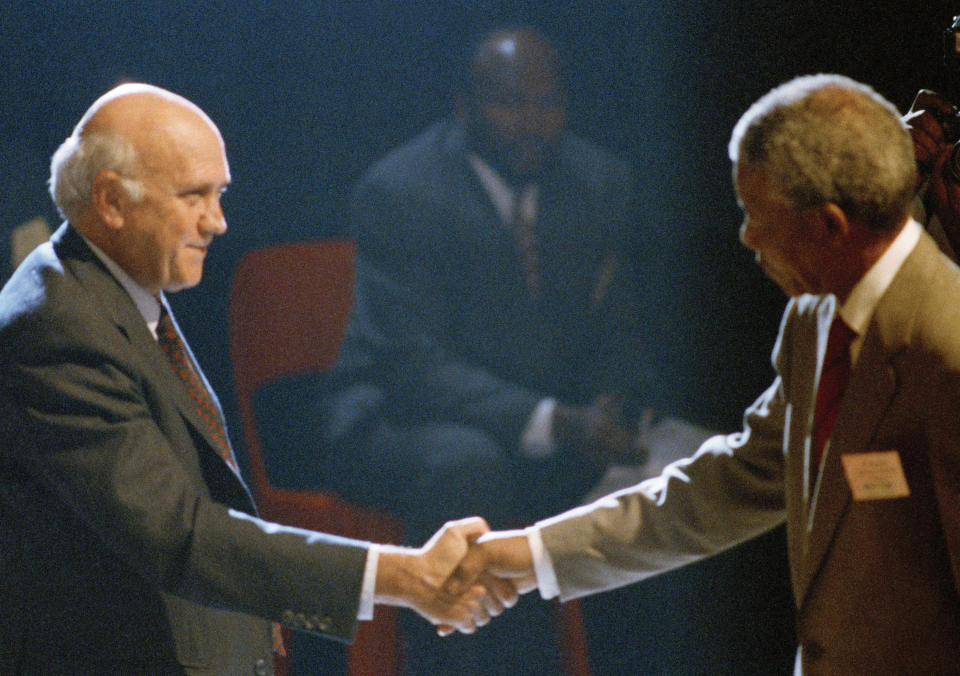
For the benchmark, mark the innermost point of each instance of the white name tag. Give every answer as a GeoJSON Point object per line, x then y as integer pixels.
{"type": "Point", "coordinates": [877, 475]}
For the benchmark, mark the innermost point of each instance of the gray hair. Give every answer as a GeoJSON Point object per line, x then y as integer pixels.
{"type": "Point", "coordinates": [827, 138]}
{"type": "Point", "coordinates": [77, 162]}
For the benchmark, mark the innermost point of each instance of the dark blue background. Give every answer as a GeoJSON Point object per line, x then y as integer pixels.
{"type": "Point", "coordinates": [307, 94]}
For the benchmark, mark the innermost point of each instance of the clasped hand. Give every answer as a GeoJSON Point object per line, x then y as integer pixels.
{"type": "Point", "coordinates": [418, 579]}
{"type": "Point", "coordinates": [495, 568]}
{"type": "Point", "coordinates": [464, 576]}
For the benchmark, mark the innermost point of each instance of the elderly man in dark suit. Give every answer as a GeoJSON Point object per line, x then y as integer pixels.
{"type": "Point", "coordinates": [130, 542]}
{"type": "Point", "coordinates": [856, 444]}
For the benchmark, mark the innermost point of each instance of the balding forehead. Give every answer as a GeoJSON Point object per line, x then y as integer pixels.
{"type": "Point", "coordinates": [505, 46]}
{"type": "Point", "coordinates": [133, 106]}
{"type": "Point", "coordinates": [513, 46]}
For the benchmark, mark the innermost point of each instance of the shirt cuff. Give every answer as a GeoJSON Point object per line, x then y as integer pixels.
{"type": "Point", "coordinates": [368, 587]}
{"type": "Point", "coordinates": [537, 438]}
{"type": "Point", "coordinates": [542, 564]}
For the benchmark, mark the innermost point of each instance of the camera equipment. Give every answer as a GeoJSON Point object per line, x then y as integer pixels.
{"type": "Point", "coordinates": [950, 122]}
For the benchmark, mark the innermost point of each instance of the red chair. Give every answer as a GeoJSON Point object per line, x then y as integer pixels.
{"type": "Point", "coordinates": [289, 304]}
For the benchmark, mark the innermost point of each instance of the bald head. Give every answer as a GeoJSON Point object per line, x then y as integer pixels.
{"type": "Point", "coordinates": [515, 109]}
{"type": "Point", "coordinates": [130, 106]}
{"type": "Point", "coordinates": [123, 129]}
{"type": "Point", "coordinates": [513, 53]}
{"type": "Point", "coordinates": [141, 177]}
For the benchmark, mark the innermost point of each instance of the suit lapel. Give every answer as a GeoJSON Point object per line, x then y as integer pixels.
{"type": "Point", "coordinates": [502, 265]}
{"type": "Point", "coordinates": [872, 386]}
{"type": "Point", "coordinates": [114, 302]}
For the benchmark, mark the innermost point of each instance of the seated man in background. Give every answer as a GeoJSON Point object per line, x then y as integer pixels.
{"type": "Point", "coordinates": [492, 363]}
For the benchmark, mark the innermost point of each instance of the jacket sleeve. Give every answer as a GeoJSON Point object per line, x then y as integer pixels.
{"type": "Point", "coordinates": [80, 416]}
{"type": "Point", "coordinates": [730, 490]}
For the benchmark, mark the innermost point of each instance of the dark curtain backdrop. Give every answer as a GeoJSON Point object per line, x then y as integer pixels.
{"type": "Point", "coordinates": [308, 94]}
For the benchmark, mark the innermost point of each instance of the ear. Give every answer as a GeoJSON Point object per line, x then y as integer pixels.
{"type": "Point", "coordinates": [109, 198]}
{"type": "Point", "coordinates": [835, 220]}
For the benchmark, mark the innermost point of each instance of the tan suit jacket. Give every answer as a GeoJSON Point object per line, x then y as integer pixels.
{"type": "Point", "coordinates": [875, 581]}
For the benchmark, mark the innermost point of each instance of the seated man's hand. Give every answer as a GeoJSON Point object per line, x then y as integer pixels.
{"type": "Point", "coordinates": [928, 118]}
{"type": "Point", "coordinates": [599, 432]}
{"type": "Point", "coordinates": [415, 578]}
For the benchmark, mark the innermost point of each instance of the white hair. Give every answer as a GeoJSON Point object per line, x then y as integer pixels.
{"type": "Point", "coordinates": [827, 138]}
{"type": "Point", "coordinates": [77, 162]}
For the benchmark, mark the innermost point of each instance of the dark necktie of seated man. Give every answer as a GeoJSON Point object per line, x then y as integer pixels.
{"type": "Point", "coordinates": [522, 226]}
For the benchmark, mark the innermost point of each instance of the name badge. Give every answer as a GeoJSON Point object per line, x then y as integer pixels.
{"type": "Point", "coordinates": [877, 475]}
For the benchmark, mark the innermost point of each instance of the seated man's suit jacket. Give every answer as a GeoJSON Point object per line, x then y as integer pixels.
{"type": "Point", "coordinates": [444, 329]}
{"type": "Point", "coordinates": [875, 581]}
{"type": "Point", "coordinates": [129, 545]}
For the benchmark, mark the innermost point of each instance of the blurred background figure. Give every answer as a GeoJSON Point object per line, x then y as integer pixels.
{"type": "Point", "coordinates": [493, 364]}
{"type": "Point", "coordinates": [934, 124]}
{"type": "Point", "coordinates": [24, 204]}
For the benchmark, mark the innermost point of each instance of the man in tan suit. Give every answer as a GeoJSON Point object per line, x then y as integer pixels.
{"type": "Point", "coordinates": [825, 173]}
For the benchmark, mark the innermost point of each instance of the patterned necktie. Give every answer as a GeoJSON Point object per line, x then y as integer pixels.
{"type": "Point", "coordinates": [168, 337]}
{"type": "Point", "coordinates": [522, 226]}
{"type": "Point", "coordinates": [170, 341]}
{"type": "Point", "coordinates": [833, 381]}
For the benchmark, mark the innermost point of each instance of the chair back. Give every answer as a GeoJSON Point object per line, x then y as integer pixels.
{"type": "Point", "coordinates": [289, 306]}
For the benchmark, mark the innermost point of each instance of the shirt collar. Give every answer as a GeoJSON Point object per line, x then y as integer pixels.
{"type": "Point", "coordinates": [502, 194]}
{"type": "Point", "coordinates": [146, 302]}
{"type": "Point", "coordinates": [859, 306]}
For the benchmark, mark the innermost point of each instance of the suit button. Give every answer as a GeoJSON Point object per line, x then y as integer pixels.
{"type": "Point", "coordinates": [260, 668]}
{"type": "Point", "coordinates": [286, 617]}
{"type": "Point", "coordinates": [322, 623]}
{"type": "Point", "coordinates": [812, 650]}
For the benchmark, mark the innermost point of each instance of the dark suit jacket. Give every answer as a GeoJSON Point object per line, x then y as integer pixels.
{"type": "Point", "coordinates": [444, 329]}
{"type": "Point", "coordinates": [128, 544]}
{"type": "Point", "coordinates": [875, 581]}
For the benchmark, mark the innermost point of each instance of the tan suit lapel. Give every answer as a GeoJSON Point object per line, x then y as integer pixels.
{"type": "Point", "coordinates": [869, 393]}
{"type": "Point", "coordinates": [868, 396]}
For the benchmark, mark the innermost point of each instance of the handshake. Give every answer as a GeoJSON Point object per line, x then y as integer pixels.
{"type": "Point", "coordinates": [464, 576]}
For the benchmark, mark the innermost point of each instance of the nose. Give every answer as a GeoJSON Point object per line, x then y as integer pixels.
{"type": "Point", "coordinates": [212, 220]}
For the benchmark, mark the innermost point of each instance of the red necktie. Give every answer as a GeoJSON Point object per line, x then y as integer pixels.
{"type": "Point", "coordinates": [522, 227]}
{"type": "Point", "coordinates": [170, 341]}
{"type": "Point", "coordinates": [168, 337]}
{"type": "Point", "coordinates": [833, 381]}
